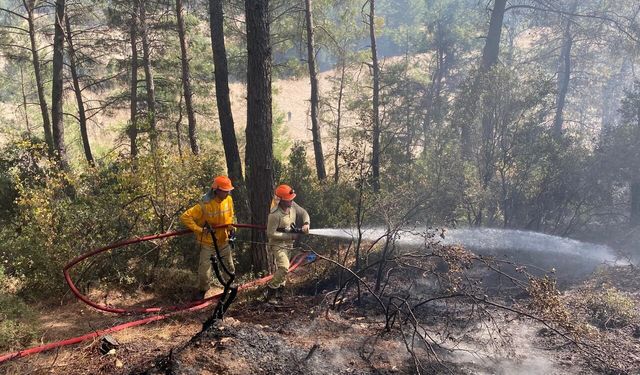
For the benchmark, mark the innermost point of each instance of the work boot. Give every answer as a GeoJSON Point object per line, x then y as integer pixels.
{"type": "Point", "coordinates": [279, 293]}
{"type": "Point", "coordinates": [269, 294]}
{"type": "Point", "coordinates": [200, 295]}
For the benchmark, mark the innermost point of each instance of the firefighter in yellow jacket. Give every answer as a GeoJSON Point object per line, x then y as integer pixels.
{"type": "Point", "coordinates": [215, 208]}
{"type": "Point", "coordinates": [284, 215]}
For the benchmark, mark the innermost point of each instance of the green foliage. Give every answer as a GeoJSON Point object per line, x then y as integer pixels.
{"type": "Point", "coordinates": [281, 142]}
{"type": "Point", "coordinates": [619, 146]}
{"type": "Point", "coordinates": [18, 324]}
{"type": "Point", "coordinates": [328, 204]}
{"type": "Point", "coordinates": [113, 202]}
{"type": "Point", "coordinates": [611, 308]}
{"type": "Point", "coordinates": [510, 171]}
{"type": "Point", "coordinates": [513, 173]}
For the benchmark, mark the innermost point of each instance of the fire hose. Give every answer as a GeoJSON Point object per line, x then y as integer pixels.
{"type": "Point", "coordinates": [297, 261]}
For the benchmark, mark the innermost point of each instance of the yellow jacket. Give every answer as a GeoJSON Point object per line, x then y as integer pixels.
{"type": "Point", "coordinates": [215, 212]}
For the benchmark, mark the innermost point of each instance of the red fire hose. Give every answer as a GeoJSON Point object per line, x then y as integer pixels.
{"type": "Point", "coordinates": [191, 306]}
{"type": "Point", "coordinates": [116, 245]}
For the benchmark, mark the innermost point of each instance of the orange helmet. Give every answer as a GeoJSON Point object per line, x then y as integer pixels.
{"type": "Point", "coordinates": [222, 183]}
{"type": "Point", "coordinates": [285, 192]}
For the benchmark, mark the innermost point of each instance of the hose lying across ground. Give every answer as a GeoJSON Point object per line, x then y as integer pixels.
{"type": "Point", "coordinates": [171, 310]}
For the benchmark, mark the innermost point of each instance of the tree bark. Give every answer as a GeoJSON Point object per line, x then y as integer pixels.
{"type": "Point", "coordinates": [186, 79]}
{"type": "Point", "coordinates": [611, 93]}
{"type": "Point", "coordinates": [313, 77]}
{"type": "Point", "coordinates": [336, 173]}
{"type": "Point", "coordinates": [564, 75]}
{"type": "Point", "coordinates": [259, 154]}
{"type": "Point", "coordinates": [46, 122]}
{"type": "Point", "coordinates": [82, 117]}
{"type": "Point", "coordinates": [489, 60]}
{"type": "Point", "coordinates": [148, 72]}
{"type": "Point", "coordinates": [223, 102]}
{"type": "Point", "coordinates": [375, 151]}
{"type": "Point", "coordinates": [24, 101]}
{"type": "Point", "coordinates": [178, 133]}
{"type": "Point", "coordinates": [635, 203]}
{"type": "Point", "coordinates": [57, 88]}
{"type": "Point", "coordinates": [492, 45]}
{"type": "Point", "coordinates": [132, 131]}
{"type": "Point", "coordinates": [435, 87]}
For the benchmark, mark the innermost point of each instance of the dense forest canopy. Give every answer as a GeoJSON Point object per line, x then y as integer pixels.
{"type": "Point", "coordinates": [116, 114]}
{"type": "Point", "coordinates": [505, 113]}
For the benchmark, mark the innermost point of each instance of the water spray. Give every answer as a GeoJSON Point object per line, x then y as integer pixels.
{"type": "Point", "coordinates": [541, 250]}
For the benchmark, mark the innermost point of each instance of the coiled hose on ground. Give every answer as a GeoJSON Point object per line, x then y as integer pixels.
{"type": "Point", "coordinates": [297, 261]}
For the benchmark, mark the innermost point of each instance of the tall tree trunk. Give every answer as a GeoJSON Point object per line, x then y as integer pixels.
{"type": "Point", "coordinates": [612, 92]}
{"type": "Point", "coordinates": [315, 98]}
{"type": "Point", "coordinates": [435, 87]}
{"type": "Point", "coordinates": [223, 102]}
{"type": "Point", "coordinates": [57, 88]}
{"type": "Point", "coordinates": [489, 60]}
{"type": "Point", "coordinates": [186, 79]}
{"type": "Point", "coordinates": [48, 137]}
{"type": "Point", "coordinates": [82, 117]}
{"type": "Point", "coordinates": [259, 151]}
{"type": "Point", "coordinates": [148, 72]}
{"type": "Point", "coordinates": [24, 101]}
{"type": "Point", "coordinates": [178, 135]}
{"type": "Point", "coordinates": [635, 181]}
{"type": "Point", "coordinates": [635, 203]}
{"type": "Point", "coordinates": [375, 151]}
{"type": "Point", "coordinates": [132, 131]}
{"type": "Point", "coordinates": [564, 75]}
{"type": "Point", "coordinates": [343, 67]}
{"type": "Point", "coordinates": [492, 45]}
{"type": "Point", "coordinates": [159, 181]}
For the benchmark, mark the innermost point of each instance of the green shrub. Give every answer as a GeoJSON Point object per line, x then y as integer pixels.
{"type": "Point", "coordinates": [611, 308]}
{"type": "Point", "coordinates": [329, 204]}
{"type": "Point", "coordinates": [111, 202]}
{"type": "Point", "coordinates": [18, 325]}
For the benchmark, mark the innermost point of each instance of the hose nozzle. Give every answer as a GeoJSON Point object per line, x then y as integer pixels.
{"type": "Point", "coordinates": [291, 229]}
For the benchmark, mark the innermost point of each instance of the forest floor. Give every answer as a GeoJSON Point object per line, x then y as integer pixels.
{"type": "Point", "coordinates": [303, 335]}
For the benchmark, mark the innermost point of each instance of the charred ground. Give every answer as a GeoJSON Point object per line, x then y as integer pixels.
{"type": "Point", "coordinates": [428, 316]}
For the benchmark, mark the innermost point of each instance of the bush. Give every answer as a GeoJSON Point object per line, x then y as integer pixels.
{"type": "Point", "coordinates": [18, 326]}
{"type": "Point", "coordinates": [329, 204]}
{"type": "Point", "coordinates": [111, 202]}
{"type": "Point", "coordinates": [611, 308]}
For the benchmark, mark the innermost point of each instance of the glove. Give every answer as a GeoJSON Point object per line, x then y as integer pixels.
{"type": "Point", "coordinates": [206, 229]}
{"type": "Point", "coordinates": [295, 229]}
